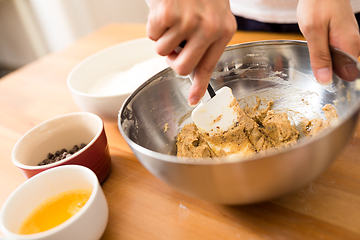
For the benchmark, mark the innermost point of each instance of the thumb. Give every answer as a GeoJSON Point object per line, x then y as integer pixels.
{"type": "Point", "coordinates": [320, 57]}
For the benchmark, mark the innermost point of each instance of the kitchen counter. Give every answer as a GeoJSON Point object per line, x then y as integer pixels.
{"type": "Point", "coordinates": [143, 207]}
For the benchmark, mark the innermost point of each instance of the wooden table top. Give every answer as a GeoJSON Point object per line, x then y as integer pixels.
{"type": "Point", "coordinates": [143, 207]}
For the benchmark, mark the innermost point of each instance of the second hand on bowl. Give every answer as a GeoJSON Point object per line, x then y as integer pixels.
{"type": "Point", "coordinates": [217, 111]}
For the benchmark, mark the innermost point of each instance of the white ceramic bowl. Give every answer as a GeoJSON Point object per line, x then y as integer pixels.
{"type": "Point", "coordinates": [60, 132]}
{"type": "Point", "coordinates": [96, 83]}
{"type": "Point", "coordinates": [89, 223]}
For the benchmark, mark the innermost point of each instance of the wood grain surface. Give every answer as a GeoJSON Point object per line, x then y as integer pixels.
{"type": "Point", "coordinates": [143, 207]}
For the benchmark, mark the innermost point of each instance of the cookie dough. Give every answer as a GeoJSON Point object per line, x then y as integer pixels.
{"type": "Point", "coordinates": [313, 127]}
{"type": "Point", "coordinates": [257, 130]}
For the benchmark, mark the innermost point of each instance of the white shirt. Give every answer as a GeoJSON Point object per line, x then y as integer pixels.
{"type": "Point", "coordinates": [272, 11]}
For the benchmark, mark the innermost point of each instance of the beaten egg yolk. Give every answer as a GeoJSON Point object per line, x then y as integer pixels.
{"type": "Point", "coordinates": [54, 211]}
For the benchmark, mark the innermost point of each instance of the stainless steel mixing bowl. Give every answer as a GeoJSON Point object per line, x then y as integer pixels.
{"type": "Point", "coordinates": [154, 114]}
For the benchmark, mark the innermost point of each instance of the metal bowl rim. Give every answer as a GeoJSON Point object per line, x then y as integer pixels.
{"type": "Point", "coordinates": [270, 153]}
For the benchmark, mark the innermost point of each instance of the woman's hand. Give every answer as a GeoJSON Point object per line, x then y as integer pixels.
{"type": "Point", "coordinates": [206, 25]}
{"type": "Point", "coordinates": [324, 23]}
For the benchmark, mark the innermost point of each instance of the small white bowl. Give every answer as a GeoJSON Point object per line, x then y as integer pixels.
{"type": "Point", "coordinates": [102, 82]}
{"type": "Point", "coordinates": [89, 223]}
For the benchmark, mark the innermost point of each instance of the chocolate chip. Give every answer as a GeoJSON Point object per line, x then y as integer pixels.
{"type": "Point", "coordinates": [63, 155]}
{"type": "Point", "coordinates": [74, 149]}
{"type": "Point", "coordinates": [60, 155]}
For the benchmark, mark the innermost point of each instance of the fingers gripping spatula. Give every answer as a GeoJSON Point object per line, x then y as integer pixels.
{"type": "Point", "coordinates": [217, 111]}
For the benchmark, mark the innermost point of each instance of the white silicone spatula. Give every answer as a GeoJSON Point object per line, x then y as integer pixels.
{"type": "Point", "coordinates": [216, 111]}
{"type": "Point", "coordinates": [218, 114]}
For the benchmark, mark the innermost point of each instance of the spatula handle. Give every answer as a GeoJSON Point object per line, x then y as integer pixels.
{"type": "Point", "coordinates": [211, 91]}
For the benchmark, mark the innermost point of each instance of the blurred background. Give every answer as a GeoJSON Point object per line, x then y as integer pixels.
{"type": "Point", "coordinates": [30, 29]}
